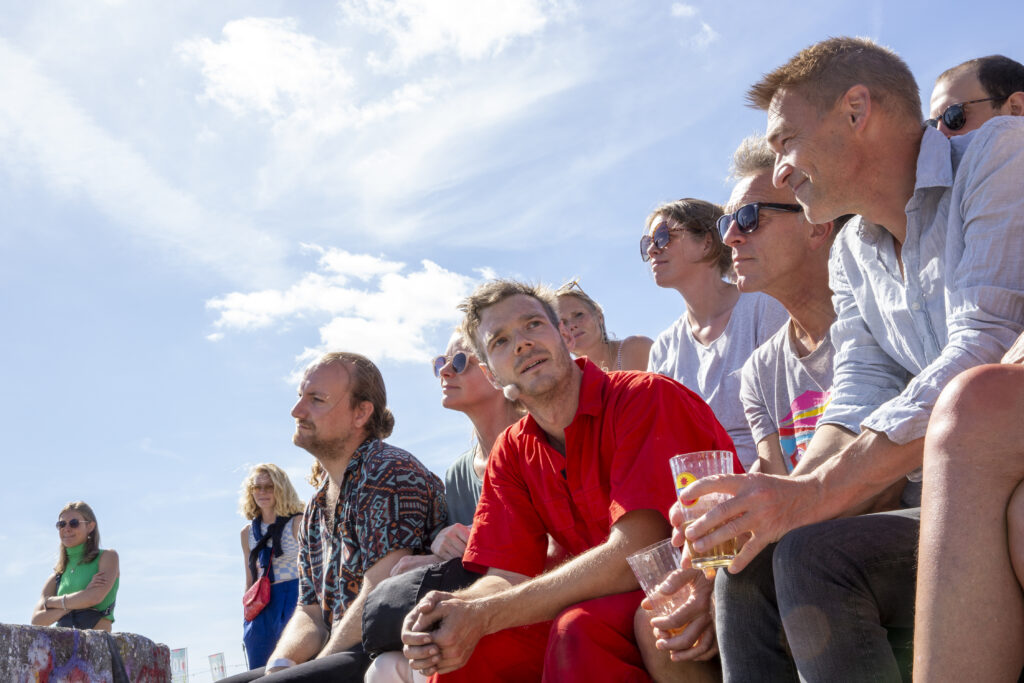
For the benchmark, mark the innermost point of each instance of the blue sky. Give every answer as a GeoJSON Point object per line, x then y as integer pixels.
{"type": "Point", "coordinates": [196, 198]}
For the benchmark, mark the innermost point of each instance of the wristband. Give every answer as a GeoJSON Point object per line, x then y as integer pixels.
{"type": "Point", "coordinates": [279, 663]}
{"type": "Point", "coordinates": [64, 602]}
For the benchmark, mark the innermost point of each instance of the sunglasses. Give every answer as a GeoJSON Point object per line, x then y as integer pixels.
{"type": "Point", "coordinates": [74, 524]}
{"type": "Point", "coordinates": [262, 487]}
{"type": "Point", "coordinates": [460, 361]}
{"type": "Point", "coordinates": [954, 116]}
{"type": "Point", "coordinates": [748, 215]}
{"type": "Point", "coordinates": [660, 238]}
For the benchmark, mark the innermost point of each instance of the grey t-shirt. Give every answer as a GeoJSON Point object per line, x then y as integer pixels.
{"type": "Point", "coordinates": [462, 489]}
{"type": "Point", "coordinates": [784, 394]}
{"type": "Point", "coordinates": [713, 371]}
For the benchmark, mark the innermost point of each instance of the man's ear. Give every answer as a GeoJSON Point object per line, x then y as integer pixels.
{"type": "Point", "coordinates": [1014, 105]}
{"type": "Point", "coordinates": [566, 337]}
{"type": "Point", "coordinates": [855, 105]}
{"type": "Point", "coordinates": [490, 377]}
{"type": "Point", "coordinates": [364, 411]}
{"type": "Point", "coordinates": [821, 233]}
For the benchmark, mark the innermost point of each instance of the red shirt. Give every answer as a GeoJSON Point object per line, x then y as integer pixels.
{"type": "Point", "coordinates": [617, 448]}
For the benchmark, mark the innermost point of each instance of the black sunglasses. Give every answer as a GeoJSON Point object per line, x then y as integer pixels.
{"type": "Point", "coordinates": [660, 238]}
{"type": "Point", "coordinates": [954, 116]}
{"type": "Point", "coordinates": [748, 215]}
{"type": "Point", "coordinates": [74, 523]}
{"type": "Point", "coordinates": [460, 361]}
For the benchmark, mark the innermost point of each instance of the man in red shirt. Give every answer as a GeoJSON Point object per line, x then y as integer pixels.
{"type": "Point", "coordinates": [588, 466]}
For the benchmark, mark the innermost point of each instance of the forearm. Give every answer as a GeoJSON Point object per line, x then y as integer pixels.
{"type": "Point", "coordinates": [828, 440]}
{"type": "Point", "coordinates": [44, 616]}
{"type": "Point", "coordinates": [600, 571]}
{"type": "Point", "coordinates": [303, 636]}
{"type": "Point", "coordinates": [347, 631]}
{"type": "Point", "coordinates": [865, 469]}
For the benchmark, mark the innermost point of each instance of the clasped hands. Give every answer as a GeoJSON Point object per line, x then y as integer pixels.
{"type": "Point", "coordinates": [441, 631]}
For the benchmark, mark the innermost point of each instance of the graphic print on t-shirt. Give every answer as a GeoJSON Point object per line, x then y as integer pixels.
{"type": "Point", "coordinates": [797, 427]}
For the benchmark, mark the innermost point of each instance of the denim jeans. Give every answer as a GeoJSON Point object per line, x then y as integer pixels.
{"type": "Point", "coordinates": [819, 604]}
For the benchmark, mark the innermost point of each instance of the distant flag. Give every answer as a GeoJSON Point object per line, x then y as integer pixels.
{"type": "Point", "coordinates": [179, 665]}
{"type": "Point", "coordinates": [218, 669]}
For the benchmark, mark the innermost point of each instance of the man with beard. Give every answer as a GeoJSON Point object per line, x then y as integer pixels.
{"type": "Point", "coordinates": [589, 466]}
{"type": "Point", "coordinates": [375, 504]}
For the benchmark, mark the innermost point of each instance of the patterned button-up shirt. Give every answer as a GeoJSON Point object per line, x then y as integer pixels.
{"type": "Point", "coordinates": [959, 302]}
{"type": "Point", "coordinates": [389, 500]}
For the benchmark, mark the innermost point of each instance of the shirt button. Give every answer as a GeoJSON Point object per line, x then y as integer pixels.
{"type": "Point", "coordinates": [916, 306]}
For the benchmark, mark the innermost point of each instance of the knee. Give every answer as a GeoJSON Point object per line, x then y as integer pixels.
{"type": "Point", "coordinates": [571, 632]}
{"type": "Point", "coordinates": [980, 404]}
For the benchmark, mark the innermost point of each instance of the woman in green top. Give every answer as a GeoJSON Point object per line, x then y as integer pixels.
{"type": "Point", "coordinates": [81, 591]}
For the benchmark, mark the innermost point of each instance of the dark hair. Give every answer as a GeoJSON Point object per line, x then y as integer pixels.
{"type": "Point", "coordinates": [92, 541]}
{"type": "Point", "coordinates": [699, 217]}
{"type": "Point", "coordinates": [493, 292]}
{"type": "Point", "coordinates": [999, 76]}
{"type": "Point", "coordinates": [824, 71]}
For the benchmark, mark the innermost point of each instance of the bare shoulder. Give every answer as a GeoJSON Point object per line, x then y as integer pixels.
{"type": "Point", "coordinates": [109, 560]}
{"type": "Point", "coordinates": [635, 352]}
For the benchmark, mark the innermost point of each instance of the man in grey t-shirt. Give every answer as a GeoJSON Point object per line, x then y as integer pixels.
{"type": "Point", "coordinates": [786, 381]}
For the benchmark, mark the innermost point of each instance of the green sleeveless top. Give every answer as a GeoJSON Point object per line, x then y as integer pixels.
{"type": "Point", "coordinates": [77, 576]}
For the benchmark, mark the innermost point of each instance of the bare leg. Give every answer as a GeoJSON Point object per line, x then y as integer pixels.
{"type": "Point", "coordinates": [657, 662]}
{"type": "Point", "coordinates": [969, 622]}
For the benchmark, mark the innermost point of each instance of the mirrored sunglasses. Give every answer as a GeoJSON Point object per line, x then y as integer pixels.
{"type": "Point", "coordinates": [460, 361]}
{"type": "Point", "coordinates": [659, 237]}
{"type": "Point", "coordinates": [748, 215]}
{"type": "Point", "coordinates": [955, 116]}
{"type": "Point", "coordinates": [74, 523]}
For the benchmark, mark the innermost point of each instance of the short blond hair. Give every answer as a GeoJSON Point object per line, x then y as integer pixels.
{"type": "Point", "coordinates": [286, 500]}
{"type": "Point", "coordinates": [824, 71]}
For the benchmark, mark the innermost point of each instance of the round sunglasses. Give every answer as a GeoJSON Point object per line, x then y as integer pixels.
{"type": "Point", "coordinates": [460, 361]}
{"type": "Point", "coordinates": [659, 237]}
{"type": "Point", "coordinates": [748, 215]}
{"type": "Point", "coordinates": [74, 523]}
{"type": "Point", "coordinates": [955, 116]}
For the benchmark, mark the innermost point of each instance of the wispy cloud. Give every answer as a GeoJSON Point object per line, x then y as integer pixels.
{"type": "Point", "coordinates": [704, 36]}
{"type": "Point", "coordinates": [45, 132]}
{"type": "Point", "coordinates": [468, 29]}
{"type": "Point", "coordinates": [360, 303]}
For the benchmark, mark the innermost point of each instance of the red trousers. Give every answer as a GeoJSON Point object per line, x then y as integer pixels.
{"type": "Point", "coordinates": [589, 642]}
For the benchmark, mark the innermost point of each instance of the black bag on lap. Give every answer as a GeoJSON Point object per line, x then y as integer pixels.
{"type": "Point", "coordinates": [394, 597]}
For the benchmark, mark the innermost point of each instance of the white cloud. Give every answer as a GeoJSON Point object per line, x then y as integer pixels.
{"type": "Point", "coordinates": [704, 36]}
{"type": "Point", "coordinates": [43, 131]}
{"type": "Point", "coordinates": [267, 65]}
{"type": "Point", "coordinates": [470, 29]}
{"type": "Point", "coordinates": [681, 10]}
{"type": "Point", "coordinates": [386, 317]}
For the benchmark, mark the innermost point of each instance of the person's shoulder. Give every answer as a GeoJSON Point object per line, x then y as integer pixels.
{"type": "Point", "coordinates": [772, 348]}
{"type": "Point", "coordinates": [389, 461]}
{"type": "Point", "coordinates": [999, 137]}
{"type": "Point", "coordinates": [635, 352]}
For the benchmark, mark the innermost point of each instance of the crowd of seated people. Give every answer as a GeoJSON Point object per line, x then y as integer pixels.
{"type": "Point", "coordinates": [852, 333]}
{"type": "Point", "coordinates": [862, 276]}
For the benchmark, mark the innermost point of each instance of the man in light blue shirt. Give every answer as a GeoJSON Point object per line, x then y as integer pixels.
{"type": "Point", "coordinates": [927, 282]}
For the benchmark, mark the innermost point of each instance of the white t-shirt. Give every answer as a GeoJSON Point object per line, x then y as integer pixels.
{"type": "Point", "coordinates": [713, 371]}
{"type": "Point", "coordinates": [785, 394]}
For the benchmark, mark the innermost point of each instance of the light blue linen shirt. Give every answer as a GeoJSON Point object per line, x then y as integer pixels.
{"type": "Point", "coordinates": [900, 340]}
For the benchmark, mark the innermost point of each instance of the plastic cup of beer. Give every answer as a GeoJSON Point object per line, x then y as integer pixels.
{"type": "Point", "coordinates": [651, 565]}
{"type": "Point", "coordinates": [688, 468]}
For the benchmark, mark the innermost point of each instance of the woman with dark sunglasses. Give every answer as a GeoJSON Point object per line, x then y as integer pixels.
{"type": "Point", "coordinates": [270, 504]}
{"type": "Point", "coordinates": [706, 347]}
{"type": "Point", "coordinates": [83, 587]}
{"type": "Point", "coordinates": [584, 320]}
{"type": "Point", "coordinates": [465, 388]}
